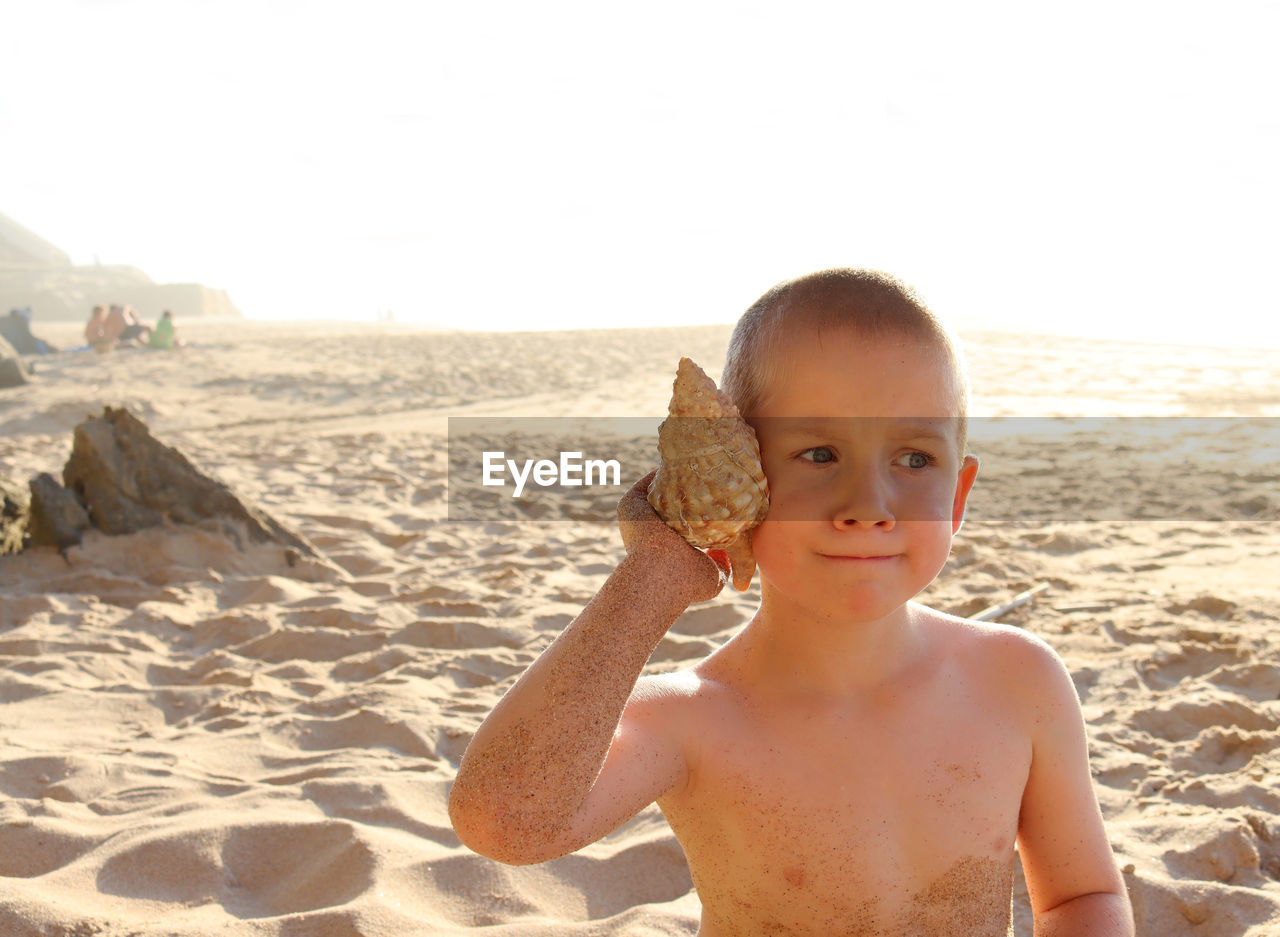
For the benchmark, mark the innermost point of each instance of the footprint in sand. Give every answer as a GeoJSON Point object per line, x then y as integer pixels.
{"type": "Point", "coordinates": [361, 730]}
{"type": "Point", "coordinates": [240, 868]}
{"type": "Point", "coordinates": [15, 689]}
{"type": "Point", "coordinates": [1219, 750]}
{"type": "Point", "coordinates": [674, 648]}
{"type": "Point", "coordinates": [267, 590]}
{"type": "Point", "coordinates": [1187, 718]}
{"type": "Point", "coordinates": [20, 609]}
{"type": "Point", "coordinates": [371, 666]}
{"type": "Point", "coordinates": [1256, 681]}
{"type": "Point", "coordinates": [460, 634]}
{"type": "Point", "coordinates": [1171, 664]}
{"type": "Point", "coordinates": [485, 668]}
{"type": "Point", "coordinates": [1059, 542]}
{"type": "Point", "coordinates": [417, 808]}
{"type": "Point", "coordinates": [556, 622]}
{"type": "Point", "coordinates": [600, 886]}
{"type": "Point", "coordinates": [1236, 850]}
{"type": "Point", "coordinates": [708, 619]}
{"type": "Point", "coordinates": [34, 846]}
{"type": "Point", "coordinates": [646, 872]}
{"type": "Point", "coordinates": [229, 630]}
{"type": "Point", "coordinates": [449, 609]}
{"type": "Point", "coordinates": [310, 644]}
{"type": "Point", "coordinates": [1211, 606]}
{"type": "Point", "coordinates": [435, 592]}
{"type": "Point", "coordinates": [510, 893]}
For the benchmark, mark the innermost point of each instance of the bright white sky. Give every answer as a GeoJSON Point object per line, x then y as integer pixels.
{"type": "Point", "coordinates": [1103, 167]}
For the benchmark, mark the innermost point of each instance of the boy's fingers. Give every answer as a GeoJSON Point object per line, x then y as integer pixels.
{"type": "Point", "coordinates": [643, 529]}
{"type": "Point", "coordinates": [635, 503]}
{"type": "Point", "coordinates": [723, 574]}
{"type": "Point", "coordinates": [634, 511]}
{"type": "Point", "coordinates": [721, 559]}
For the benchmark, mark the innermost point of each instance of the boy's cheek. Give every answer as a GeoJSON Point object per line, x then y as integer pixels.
{"type": "Point", "coordinates": [793, 500]}
{"type": "Point", "coordinates": [936, 505]}
{"type": "Point", "coordinates": [776, 547]}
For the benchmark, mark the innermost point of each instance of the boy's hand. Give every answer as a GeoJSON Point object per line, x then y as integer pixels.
{"type": "Point", "coordinates": [696, 574]}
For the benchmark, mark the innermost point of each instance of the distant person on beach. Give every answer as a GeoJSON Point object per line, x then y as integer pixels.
{"type": "Point", "coordinates": [95, 330]}
{"type": "Point", "coordinates": [123, 325]}
{"type": "Point", "coordinates": [15, 328]}
{"type": "Point", "coordinates": [851, 762]}
{"type": "Point", "coordinates": [162, 336]}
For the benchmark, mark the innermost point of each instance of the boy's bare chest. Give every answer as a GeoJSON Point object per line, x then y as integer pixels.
{"type": "Point", "coordinates": [855, 816]}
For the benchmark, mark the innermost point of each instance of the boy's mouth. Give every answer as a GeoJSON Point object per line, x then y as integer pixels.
{"type": "Point", "coordinates": [864, 558]}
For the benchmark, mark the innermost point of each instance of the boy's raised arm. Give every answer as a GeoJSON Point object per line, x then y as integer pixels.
{"type": "Point", "coordinates": [1071, 874]}
{"type": "Point", "coordinates": [535, 783]}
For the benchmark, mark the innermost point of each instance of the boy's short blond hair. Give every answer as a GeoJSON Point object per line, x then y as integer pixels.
{"type": "Point", "coordinates": [868, 302]}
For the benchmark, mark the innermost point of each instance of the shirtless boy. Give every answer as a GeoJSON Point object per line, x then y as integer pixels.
{"type": "Point", "coordinates": [851, 762]}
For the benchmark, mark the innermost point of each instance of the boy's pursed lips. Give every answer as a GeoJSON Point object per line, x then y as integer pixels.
{"type": "Point", "coordinates": [862, 557]}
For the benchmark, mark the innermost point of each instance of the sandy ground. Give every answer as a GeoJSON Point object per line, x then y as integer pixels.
{"type": "Point", "coordinates": [197, 740]}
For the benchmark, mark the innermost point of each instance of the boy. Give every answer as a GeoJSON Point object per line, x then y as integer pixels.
{"type": "Point", "coordinates": [851, 762]}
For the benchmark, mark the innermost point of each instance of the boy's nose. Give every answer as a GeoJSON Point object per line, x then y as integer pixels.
{"type": "Point", "coordinates": [864, 502]}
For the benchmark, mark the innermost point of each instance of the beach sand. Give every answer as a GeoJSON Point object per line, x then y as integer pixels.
{"type": "Point", "coordinates": [201, 740]}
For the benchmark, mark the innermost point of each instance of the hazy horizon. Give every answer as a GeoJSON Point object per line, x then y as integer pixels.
{"type": "Point", "coordinates": [1105, 172]}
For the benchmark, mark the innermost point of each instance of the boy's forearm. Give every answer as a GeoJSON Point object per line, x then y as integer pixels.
{"type": "Point", "coordinates": [534, 759]}
{"type": "Point", "coordinates": [1104, 914]}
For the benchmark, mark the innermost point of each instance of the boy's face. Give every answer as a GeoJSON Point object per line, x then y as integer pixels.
{"type": "Point", "coordinates": [867, 483]}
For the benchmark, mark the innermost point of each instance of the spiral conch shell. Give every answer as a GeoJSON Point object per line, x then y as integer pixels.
{"type": "Point", "coordinates": [710, 487]}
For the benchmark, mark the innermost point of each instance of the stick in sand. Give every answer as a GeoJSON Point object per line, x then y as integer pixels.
{"type": "Point", "coordinates": [1022, 598]}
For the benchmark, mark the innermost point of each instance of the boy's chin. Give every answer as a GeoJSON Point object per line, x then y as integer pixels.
{"type": "Point", "coordinates": [854, 607]}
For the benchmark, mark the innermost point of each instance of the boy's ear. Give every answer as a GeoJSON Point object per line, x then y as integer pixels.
{"type": "Point", "coordinates": [964, 484]}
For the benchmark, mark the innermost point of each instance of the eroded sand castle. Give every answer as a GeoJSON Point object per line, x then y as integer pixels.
{"type": "Point", "coordinates": [710, 487]}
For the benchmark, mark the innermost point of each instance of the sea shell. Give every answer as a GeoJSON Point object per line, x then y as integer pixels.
{"type": "Point", "coordinates": [710, 487]}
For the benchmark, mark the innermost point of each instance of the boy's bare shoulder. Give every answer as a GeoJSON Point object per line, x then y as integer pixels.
{"type": "Point", "coordinates": [672, 711]}
{"type": "Point", "coordinates": [992, 634]}
{"type": "Point", "coordinates": [668, 699]}
{"type": "Point", "coordinates": [1009, 655]}
{"type": "Point", "coordinates": [678, 689]}
{"type": "Point", "coordinates": [659, 688]}
{"type": "Point", "coordinates": [679, 701]}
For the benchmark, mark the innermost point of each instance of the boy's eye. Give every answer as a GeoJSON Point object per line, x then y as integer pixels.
{"type": "Point", "coordinates": [818, 454]}
{"type": "Point", "coordinates": [916, 460]}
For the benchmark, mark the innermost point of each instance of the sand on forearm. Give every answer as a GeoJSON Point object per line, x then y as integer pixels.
{"type": "Point", "coordinates": [535, 760]}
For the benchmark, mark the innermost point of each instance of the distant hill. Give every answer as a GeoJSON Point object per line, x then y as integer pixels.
{"type": "Point", "coordinates": [19, 246]}
{"type": "Point", "coordinates": [39, 275]}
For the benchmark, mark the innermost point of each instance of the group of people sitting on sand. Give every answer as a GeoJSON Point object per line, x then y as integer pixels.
{"type": "Point", "coordinates": [120, 324]}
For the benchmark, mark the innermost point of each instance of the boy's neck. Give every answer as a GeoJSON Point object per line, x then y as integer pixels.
{"type": "Point", "coordinates": [794, 653]}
